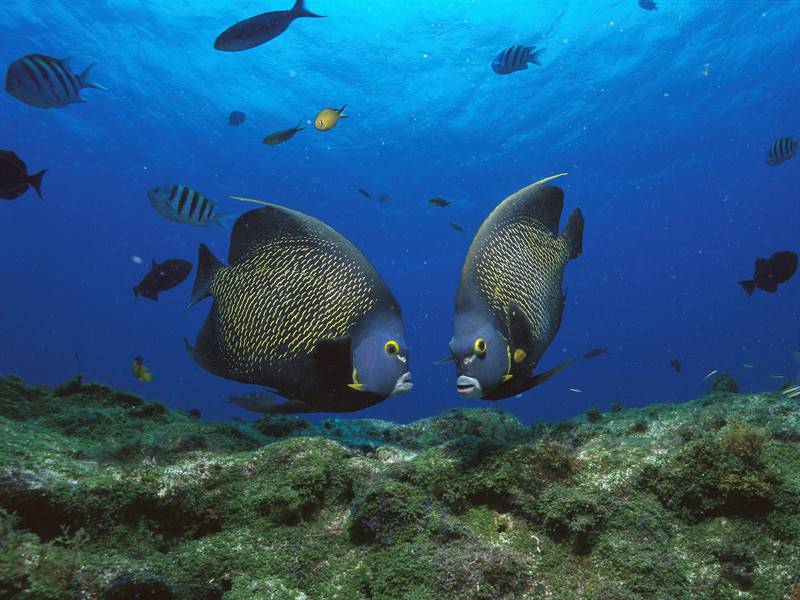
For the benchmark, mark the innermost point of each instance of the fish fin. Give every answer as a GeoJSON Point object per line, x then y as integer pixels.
{"type": "Point", "coordinates": [299, 10]}
{"type": "Point", "coordinates": [535, 380]}
{"type": "Point", "coordinates": [333, 358]}
{"type": "Point", "coordinates": [207, 267]}
{"type": "Point", "coordinates": [153, 263]}
{"type": "Point", "coordinates": [445, 361]}
{"type": "Point", "coordinates": [136, 291]}
{"type": "Point", "coordinates": [225, 220]}
{"type": "Point", "coordinates": [770, 288]}
{"type": "Point", "coordinates": [542, 202]}
{"type": "Point", "coordinates": [519, 329]}
{"type": "Point", "coordinates": [36, 182]}
{"type": "Point", "coordinates": [573, 233]}
{"type": "Point", "coordinates": [188, 347]}
{"type": "Point", "coordinates": [150, 294]}
{"type": "Point", "coordinates": [268, 223]}
{"type": "Point", "coordinates": [251, 200]}
{"type": "Point", "coordinates": [273, 404]}
{"type": "Point", "coordinates": [341, 112]}
{"type": "Point", "coordinates": [298, 128]}
{"type": "Point", "coordinates": [748, 286]}
{"type": "Point", "coordinates": [86, 81]}
{"type": "Point", "coordinates": [534, 54]}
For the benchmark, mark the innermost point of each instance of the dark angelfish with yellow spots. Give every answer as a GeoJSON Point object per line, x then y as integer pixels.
{"type": "Point", "coordinates": [300, 311]}
{"type": "Point", "coordinates": [510, 300]}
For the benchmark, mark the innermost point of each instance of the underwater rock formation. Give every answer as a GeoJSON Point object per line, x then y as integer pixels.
{"type": "Point", "coordinates": [103, 495]}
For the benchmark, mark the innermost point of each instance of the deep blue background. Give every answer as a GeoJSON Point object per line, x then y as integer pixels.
{"type": "Point", "coordinates": [665, 160]}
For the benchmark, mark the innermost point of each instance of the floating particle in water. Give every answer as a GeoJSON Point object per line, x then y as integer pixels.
{"type": "Point", "coordinates": [706, 69]}
{"type": "Point", "coordinates": [137, 259]}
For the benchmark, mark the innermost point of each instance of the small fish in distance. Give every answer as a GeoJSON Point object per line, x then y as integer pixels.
{"type": "Point", "coordinates": [780, 151]}
{"type": "Point", "coordinates": [260, 29]}
{"type": "Point", "coordinates": [675, 363]}
{"type": "Point", "coordinates": [771, 272]}
{"type": "Point", "coordinates": [236, 118]}
{"type": "Point", "coordinates": [595, 353]}
{"type": "Point", "coordinates": [47, 82]}
{"type": "Point", "coordinates": [195, 413]}
{"type": "Point", "coordinates": [183, 205]}
{"type": "Point", "coordinates": [14, 178]}
{"type": "Point", "coordinates": [328, 118]}
{"type": "Point", "coordinates": [364, 193]}
{"type": "Point", "coordinates": [163, 277]}
{"type": "Point", "coordinates": [456, 226]}
{"type": "Point", "coordinates": [140, 372]}
{"type": "Point", "coordinates": [648, 4]}
{"type": "Point", "coordinates": [440, 202]}
{"type": "Point", "coordinates": [383, 198]}
{"type": "Point", "coordinates": [516, 58]}
{"type": "Point", "coordinates": [284, 135]}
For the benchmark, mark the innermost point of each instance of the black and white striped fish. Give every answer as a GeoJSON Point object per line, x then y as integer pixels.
{"type": "Point", "coordinates": [47, 82]}
{"type": "Point", "coordinates": [780, 151]}
{"type": "Point", "coordinates": [516, 58]}
{"type": "Point", "coordinates": [184, 205]}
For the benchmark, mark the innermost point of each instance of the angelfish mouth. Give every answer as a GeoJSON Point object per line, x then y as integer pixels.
{"type": "Point", "coordinates": [468, 386]}
{"type": "Point", "coordinates": [403, 385]}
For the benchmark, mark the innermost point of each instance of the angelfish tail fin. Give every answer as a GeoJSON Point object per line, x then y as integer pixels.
{"type": "Point", "coordinates": [207, 268]}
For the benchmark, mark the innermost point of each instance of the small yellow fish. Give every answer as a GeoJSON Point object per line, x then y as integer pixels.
{"type": "Point", "coordinates": [141, 372]}
{"type": "Point", "coordinates": [328, 118]}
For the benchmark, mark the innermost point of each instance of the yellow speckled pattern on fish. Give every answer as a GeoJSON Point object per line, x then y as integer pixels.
{"type": "Point", "coordinates": [519, 260]}
{"type": "Point", "coordinates": [282, 297]}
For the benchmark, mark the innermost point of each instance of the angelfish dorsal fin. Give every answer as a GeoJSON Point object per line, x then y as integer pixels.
{"type": "Point", "coordinates": [264, 224]}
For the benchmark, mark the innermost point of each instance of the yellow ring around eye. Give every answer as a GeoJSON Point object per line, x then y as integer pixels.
{"type": "Point", "coordinates": [479, 347]}
{"type": "Point", "coordinates": [391, 347]}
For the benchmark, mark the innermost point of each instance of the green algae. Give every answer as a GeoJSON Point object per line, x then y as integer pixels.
{"type": "Point", "coordinates": [103, 495]}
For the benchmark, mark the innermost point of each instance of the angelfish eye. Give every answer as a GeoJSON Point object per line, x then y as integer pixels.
{"type": "Point", "coordinates": [479, 347]}
{"type": "Point", "coordinates": [391, 347]}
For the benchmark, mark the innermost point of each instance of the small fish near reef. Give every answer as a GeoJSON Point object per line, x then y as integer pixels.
{"type": "Point", "coordinates": [140, 372]}
{"type": "Point", "coordinates": [183, 205]}
{"type": "Point", "coordinates": [516, 58]}
{"type": "Point", "coordinates": [771, 272]}
{"type": "Point", "coordinates": [195, 413]}
{"type": "Point", "coordinates": [14, 178]}
{"type": "Point", "coordinates": [300, 311]}
{"type": "Point", "coordinates": [163, 277]}
{"type": "Point", "coordinates": [328, 118]}
{"type": "Point", "coordinates": [648, 4]}
{"type": "Point", "coordinates": [675, 363]}
{"type": "Point", "coordinates": [595, 353]}
{"type": "Point", "coordinates": [279, 137]}
{"type": "Point", "coordinates": [47, 82]}
{"type": "Point", "coordinates": [456, 226]}
{"type": "Point", "coordinates": [510, 299]}
{"type": "Point", "coordinates": [440, 202]}
{"type": "Point", "coordinates": [236, 118]}
{"type": "Point", "coordinates": [780, 151]}
{"type": "Point", "coordinates": [260, 29]}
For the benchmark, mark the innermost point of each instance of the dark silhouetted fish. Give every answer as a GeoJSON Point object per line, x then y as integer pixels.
{"type": "Point", "coordinates": [595, 353]}
{"type": "Point", "coordinates": [516, 58]}
{"type": "Point", "coordinates": [273, 139]}
{"type": "Point", "coordinates": [236, 118]}
{"type": "Point", "coordinates": [300, 311]}
{"type": "Point", "coordinates": [14, 178]}
{"type": "Point", "coordinates": [780, 151]}
{"type": "Point", "coordinates": [47, 82]}
{"type": "Point", "coordinates": [440, 202]}
{"type": "Point", "coordinates": [195, 413]}
{"type": "Point", "coordinates": [183, 205]}
{"type": "Point", "coordinates": [771, 272]}
{"type": "Point", "coordinates": [257, 30]}
{"type": "Point", "coordinates": [648, 4]}
{"type": "Point", "coordinates": [510, 301]}
{"type": "Point", "coordinates": [163, 277]}
{"type": "Point", "coordinates": [456, 226]}
{"type": "Point", "coordinates": [676, 364]}
{"type": "Point", "coordinates": [364, 193]}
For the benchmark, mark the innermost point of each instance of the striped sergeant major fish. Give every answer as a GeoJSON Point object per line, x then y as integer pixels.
{"type": "Point", "coordinates": [184, 205]}
{"type": "Point", "coordinates": [781, 150]}
{"type": "Point", "coordinates": [47, 82]}
{"type": "Point", "coordinates": [516, 58]}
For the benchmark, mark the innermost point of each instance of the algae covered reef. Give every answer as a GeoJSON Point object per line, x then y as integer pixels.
{"type": "Point", "coordinates": [103, 495]}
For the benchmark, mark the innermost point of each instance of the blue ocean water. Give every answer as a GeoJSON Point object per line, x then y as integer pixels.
{"type": "Point", "coordinates": [661, 119]}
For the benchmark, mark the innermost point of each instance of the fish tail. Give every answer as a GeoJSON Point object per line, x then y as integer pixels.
{"type": "Point", "coordinates": [748, 286]}
{"type": "Point", "coordinates": [225, 220]}
{"type": "Point", "coordinates": [573, 233]}
{"type": "Point", "coordinates": [36, 182]}
{"type": "Point", "coordinates": [341, 112]}
{"type": "Point", "coordinates": [207, 267]}
{"type": "Point", "coordinates": [298, 128]}
{"type": "Point", "coordinates": [86, 78]}
{"type": "Point", "coordinates": [299, 10]}
{"type": "Point", "coordinates": [533, 55]}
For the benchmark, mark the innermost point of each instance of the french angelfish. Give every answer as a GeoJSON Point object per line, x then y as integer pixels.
{"type": "Point", "coordinates": [510, 301]}
{"type": "Point", "coordinates": [47, 82]}
{"type": "Point", "coordinates": [260, 29]}
{"type": "Point", "coordinates": [301, 311]}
